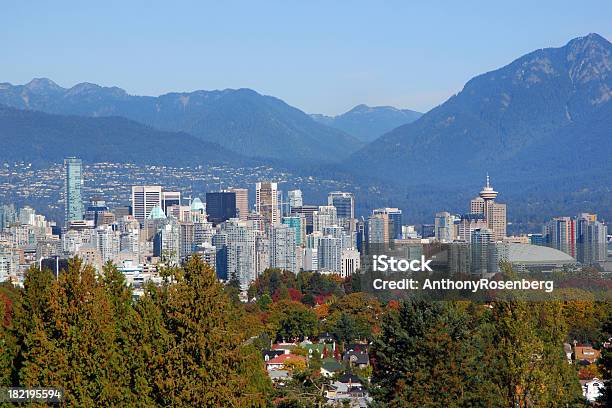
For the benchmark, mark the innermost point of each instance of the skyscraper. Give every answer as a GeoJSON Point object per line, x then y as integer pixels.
{"type": "Point", "coordinates": [482, 245]}
{"type": "Point", "coordinates": [282, 248]}
{"type": "Point", "coordinates": [494, 213]}
{"type": "Point", "coordinates": [242, 202]}
{"type": "Point", "coordinates": [295, 199]}
{"type": "Point", "coordinates": [325, 216]}
{"type": "Point", "coordinates": [266, 202]}
{"type": "Point", "coordinates": [220, 206]}
{"type": "Point", "coordinates": [344, 203]}
{"type": "Point", "coordinates": [144, 199]}
{"type": "Point", "coordinates": [378, 229]}
{"type": "Point", "coordinates": [591, 239]}
{"type": "Point", "coordinates": [395, 221]}
{"type": "Point", "coordinates": [308, 212]}
{"type": "Point", "coordinates": [73, 184]}
{"type": "Point", "coordinates": [444, 227]}
{"type": "Point", "coordinates": [298, 223]}
{"type": "Point", "coordinates": [169, 199]}
{"type": "Point", "coordinates": [560, 234]}
{"type": "Point", "coordinates": [329, 253]}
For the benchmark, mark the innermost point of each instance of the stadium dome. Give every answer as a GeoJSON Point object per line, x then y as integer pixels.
{"type": "Point", "coordinates": [528, 254]}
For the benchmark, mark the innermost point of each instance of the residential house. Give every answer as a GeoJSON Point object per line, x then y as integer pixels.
{"type": "Point", "coordinates": [592, 389]}
{"type": "Point", "coordinates": [278, 362]}
{"type": "Point", "coordinates": [360, 359]}
{"type": "Point", "coordinates": [330, 367]}
{"type": "Point", "coordinates": [584, 352]}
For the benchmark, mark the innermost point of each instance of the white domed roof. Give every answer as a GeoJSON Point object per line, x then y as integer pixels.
{"type": "Point", "coordinates": [527, 253]}
{"type": "Point", "coordinates": [197, 205]}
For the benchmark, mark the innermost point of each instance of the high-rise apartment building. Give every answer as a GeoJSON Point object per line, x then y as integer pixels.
{"type": "Point", "coordinates": [295, 199]}
{"type": "Point", "coordinates": [325, 216]}
{"type": "Point", "coordinates": [482, 246]}
{"type": "Point", "coordinates": [283, 249]}
{"type": "Point", "coordinates": [444, 225]}
{"type": "Point", "coordinates": [73, 184]}
{"type": "Point", "coordinates": [308, 212]}
{"type": "Point", "coordinates": [494, 213]}
{"type": "Point", "coordinates": [298, 223]}
{"type": "Point", "coordinates": [560, 233]}
{"type": "Point", "coordinates": [378, 229]}
{"type": "Point", "coordinates": [591, 239]}
{"type": "Point", "coordinates": [241, 247]}
{"type": "Point", "coordinates": [242, 202]}
{"type": "Point", "coordinates": [144, 200]}
{"type": "Point", "coordinates": [329, 253]}
{"type": "Point", "coordinates": [344, 203]}
{"type": "Point", "coordinates": [266, 202]}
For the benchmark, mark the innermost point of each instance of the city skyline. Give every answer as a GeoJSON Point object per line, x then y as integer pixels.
{"type": "Point", "coordinates": [239, 240]}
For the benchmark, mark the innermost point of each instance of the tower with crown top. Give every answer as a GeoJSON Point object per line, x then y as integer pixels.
{"type": "Point", "coordinates": [493, 212]}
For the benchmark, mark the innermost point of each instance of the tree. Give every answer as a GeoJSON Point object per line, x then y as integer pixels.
{"type": "Point", "coordinates": [345, 328]}
{"type": "Point", "coordinates": [8, 340]}
{"type": "Point", "coordinates": [205, 362]}
{"type": "Point", "coordinates": [605, 365]}
{"type": "Point", "coordinates": [427, 356]}
{"type": "Point", "coordinates": [72, 341]}
{"type": "Point", "coordinates": [532, 369]}
{"type": "Point", "coordinates": [292, 320]}
{"type": "Point", "coordinates": [363, 311]}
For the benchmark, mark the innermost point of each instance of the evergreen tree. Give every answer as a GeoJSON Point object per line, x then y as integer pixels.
{"type": "Point", "coordinates": [205, 364]}
{"type": "Point", "coordinates": [72, 339]}
{"type": "Point", "coordinates": [426, 356]}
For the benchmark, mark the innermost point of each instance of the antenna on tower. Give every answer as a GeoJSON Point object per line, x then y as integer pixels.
{"type": "Point", "coordinates": [488, 183]}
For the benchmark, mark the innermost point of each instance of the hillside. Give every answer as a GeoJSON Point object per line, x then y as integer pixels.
{"type": "Point", "coordinates": [241, 120]}
{"type": "Point", "coordinates": [44, 138]}
{"type": "Point", "coordinates": [369, 122]}
{"type": "Point", "coordinates": [546, 112]}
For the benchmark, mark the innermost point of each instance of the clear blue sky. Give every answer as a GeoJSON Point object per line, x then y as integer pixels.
{"type": "Point", "coordinates": [320, 56]}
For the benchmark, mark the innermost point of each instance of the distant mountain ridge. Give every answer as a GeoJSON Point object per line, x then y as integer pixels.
{"type": "Point", "coordinates": [241, 120]}
{"type": "Point", "coordinates": [39, 138]}
{"type": "Point", "coordinates": [546, 112]}
{"type": "Point", "coordinates": [369, 122]}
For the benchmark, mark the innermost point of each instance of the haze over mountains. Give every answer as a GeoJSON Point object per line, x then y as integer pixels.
{"type": "Point", "coordinates": [546, 114]}
{"type": "Point", "coordinates": [541, 126]}
{"type": "Point", "coordinates": [369, 122]}
{"type": "Point", "coordinates": [40, 137]}
{"type": "Point", "coordinates": [241, 120]}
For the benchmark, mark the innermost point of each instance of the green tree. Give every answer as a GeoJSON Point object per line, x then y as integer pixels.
{"type": "Point", "coordinates": [292, 320]}
{"type": "Point", "coordinates": [71, 340]}
{"type": "Point", "coordinates": [532, 369]}
{"type": "Point", "coordinates": [426, 356]}
{"type": "Point", "coordinates": [605, 364]}
{"type": "Point", "coordinates": [345, 328]}
{"type": "Point", "coordinates": [206, 362]}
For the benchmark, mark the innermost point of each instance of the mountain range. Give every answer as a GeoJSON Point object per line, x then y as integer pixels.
{"type": "Point", "coordinates": [546, 115]}
{"type": "Point", "coordinates": [369, 122]}
{"type": "Point", "coordinates": [46, 138]}
{"type": "Point", "coordinates": [240, 120]}
{"type": "Point", "coordinates": [541, 126]}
